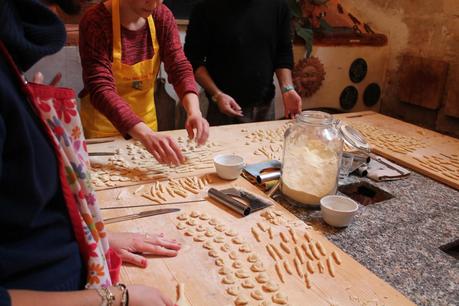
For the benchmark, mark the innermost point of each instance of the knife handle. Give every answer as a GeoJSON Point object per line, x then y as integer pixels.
{"type": "Point", "coordinates": [229, 201]}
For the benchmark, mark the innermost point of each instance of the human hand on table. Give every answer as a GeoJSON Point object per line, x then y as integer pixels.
{"type": "Point", "coordinates": [129, 246]}
{"type": "Point", "coordinates": [162, 147]}
{"type": "Point", "coordinates": [292, 104]}
{"type": "Point", "coordinates": [198, 123]}
{"type": "Point", "coordinates": [147, 296]}
{"type": "Point", "coordinates": [227, 105]}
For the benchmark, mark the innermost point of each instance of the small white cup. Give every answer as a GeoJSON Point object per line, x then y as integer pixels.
{"type": "Point", "coordinates": [337, 210]}
{"type": "Point", "coordinates": [228, 166]}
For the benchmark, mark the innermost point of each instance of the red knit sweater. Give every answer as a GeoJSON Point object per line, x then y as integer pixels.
{"type": "Point", "coordinates": [96, 52]}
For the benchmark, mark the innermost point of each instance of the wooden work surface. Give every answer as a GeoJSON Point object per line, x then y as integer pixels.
{"type": "Point", "coordinates": [427, 152]}
{"type": "Point", "coordinates": [352, 284]}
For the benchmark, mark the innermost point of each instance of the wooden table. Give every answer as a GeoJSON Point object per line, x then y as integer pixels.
{"type": "Point", "coordinates": [433, 154]}
{"type": "Point", "coordinates": [352, 284]}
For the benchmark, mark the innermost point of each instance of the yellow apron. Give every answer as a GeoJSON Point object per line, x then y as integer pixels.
{"type": "Point", "coordinates": [134, 83]}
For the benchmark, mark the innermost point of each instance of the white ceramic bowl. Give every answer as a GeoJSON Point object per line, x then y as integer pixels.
{"type": "Point", "coordinates": [228, 166]}
{"type": "Point", "coordinates": [337, 210]}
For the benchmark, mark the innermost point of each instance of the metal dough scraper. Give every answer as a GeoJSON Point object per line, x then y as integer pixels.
{"type": "Point", "coordinates": [250, 202]}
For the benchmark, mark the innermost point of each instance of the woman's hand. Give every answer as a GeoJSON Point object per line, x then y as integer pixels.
{"type": "Point", "coordinates": [162, 147]}
{"type": "Point", "coordinates": [194, 120]}
{"type": "Point", "coordinates": [147, 296]}
{"type": "Point", "coordinates": [129, 245]}
{"type": "Point", "coordinates": [198, 123]}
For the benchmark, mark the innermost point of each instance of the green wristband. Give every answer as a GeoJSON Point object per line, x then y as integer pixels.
{"type": "Point", "coordinates": [287, 88]}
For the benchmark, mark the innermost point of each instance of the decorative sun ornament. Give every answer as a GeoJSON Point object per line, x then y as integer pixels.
{"type": "Point", "coordinates": [308, 76]}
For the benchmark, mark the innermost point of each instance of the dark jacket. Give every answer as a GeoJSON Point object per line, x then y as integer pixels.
{"type": "Point", "coordinates": [38, 250]}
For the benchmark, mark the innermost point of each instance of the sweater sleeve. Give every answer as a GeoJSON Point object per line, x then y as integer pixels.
{"type": "Point", "coordinates": [196, 40]}
{"type": "Point", "coordinates": [284, 56]}
{"type": "Point", "coordinates": [95, 52]}
{"type": "Point", "coordinates": [178, 68]}
{"type": "Point", "coordinates": [5, 299]}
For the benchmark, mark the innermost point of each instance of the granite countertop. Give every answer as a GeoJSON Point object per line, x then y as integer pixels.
{"type": "Point", "coordinates": [399, 239]}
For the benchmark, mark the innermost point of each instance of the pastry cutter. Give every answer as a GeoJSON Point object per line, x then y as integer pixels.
{"type": "Point", "coordinates": [250, 202]}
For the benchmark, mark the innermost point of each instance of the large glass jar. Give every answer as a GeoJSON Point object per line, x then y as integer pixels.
{"type": "Point", "coordinates": [312, 155]}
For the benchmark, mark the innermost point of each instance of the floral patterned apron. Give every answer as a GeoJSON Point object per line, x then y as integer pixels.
{"type": "Point", "coordinates": [57, 111]}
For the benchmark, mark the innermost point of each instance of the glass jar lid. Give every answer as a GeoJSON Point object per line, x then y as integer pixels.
{"type": "Point", "coordinates": [352, 137]}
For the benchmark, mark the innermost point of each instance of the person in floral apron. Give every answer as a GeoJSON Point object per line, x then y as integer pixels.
{"type": "Point", "coordinates": [54, 249]}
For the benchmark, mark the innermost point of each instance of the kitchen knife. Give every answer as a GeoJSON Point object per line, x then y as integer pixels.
{"type": "Point", "coordinates": [101, 153]}
{"type": "Point", "coordinates": [143, 214]}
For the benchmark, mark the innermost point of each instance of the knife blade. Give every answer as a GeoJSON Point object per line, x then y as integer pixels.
{"type": "Point", "coordinates": [143, 214]}
{"type": "Point", "coordinates": [99, 140]}
{"type": "Point", "coordinates": [152, 204]}
{"type": "Point", "coordinates": [101, 153]}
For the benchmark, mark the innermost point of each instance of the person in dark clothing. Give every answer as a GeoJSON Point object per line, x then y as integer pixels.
{"type": "Point", "coordinates": [53, 243]}
{"type": "Point", "coordinates": [235, 47]}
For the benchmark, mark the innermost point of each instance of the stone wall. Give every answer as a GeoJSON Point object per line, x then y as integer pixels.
{"type": "Point", "coordinates": [428, 29]}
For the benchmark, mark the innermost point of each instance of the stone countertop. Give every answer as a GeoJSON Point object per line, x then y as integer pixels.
{"type": "Point", "coordinates": [399, 239]}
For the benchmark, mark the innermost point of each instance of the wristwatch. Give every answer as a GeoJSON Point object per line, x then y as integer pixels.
{"type": "Point", "coordinates": [287, 88]}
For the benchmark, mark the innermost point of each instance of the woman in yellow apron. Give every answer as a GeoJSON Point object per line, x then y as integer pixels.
{"type": "Point", "coordinates": [121, 42]}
